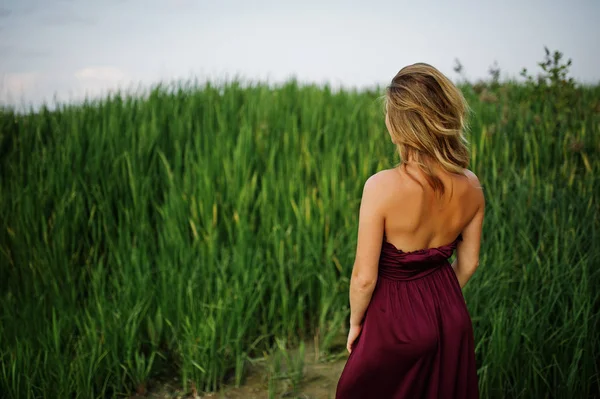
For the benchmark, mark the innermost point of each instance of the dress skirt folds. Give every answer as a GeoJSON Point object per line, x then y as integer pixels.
{"type": "Point", "coordinates": [417, 338]}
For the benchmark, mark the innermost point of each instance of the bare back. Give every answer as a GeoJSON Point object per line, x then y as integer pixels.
{"type": "Point", "coordinates": [399, 206]}
{"type": "Point", "coordinates": [417, 218]}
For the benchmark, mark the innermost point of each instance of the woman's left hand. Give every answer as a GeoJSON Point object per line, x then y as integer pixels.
{"type": "Point", "coordinates": [352, 335]}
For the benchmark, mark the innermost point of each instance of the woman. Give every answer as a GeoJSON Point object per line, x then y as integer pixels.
{"type": "Point", "coordinates": [410, 332]}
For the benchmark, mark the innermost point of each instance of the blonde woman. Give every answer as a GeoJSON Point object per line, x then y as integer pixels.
{"type": "Point", "coordinates": [410, 331]}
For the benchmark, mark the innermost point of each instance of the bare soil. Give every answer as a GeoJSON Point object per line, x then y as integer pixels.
{"type": "Point", "coordinates": [318, 381]}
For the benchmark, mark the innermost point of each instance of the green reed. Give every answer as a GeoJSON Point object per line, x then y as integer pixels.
{"type": "Point", "coordinates": [187, 231]}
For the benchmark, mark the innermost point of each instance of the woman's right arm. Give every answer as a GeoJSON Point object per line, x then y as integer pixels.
{"type": "Point", "coordinates": [467, 251]}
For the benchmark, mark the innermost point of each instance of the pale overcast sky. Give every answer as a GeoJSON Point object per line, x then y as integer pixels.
{"type": "Point", "coordinates": [70, 47]}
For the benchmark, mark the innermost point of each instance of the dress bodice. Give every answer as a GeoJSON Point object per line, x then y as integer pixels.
{"type": "Point", "coordinates": [396, 264]}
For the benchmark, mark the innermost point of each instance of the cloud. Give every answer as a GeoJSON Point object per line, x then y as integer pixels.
{"type": "Point", "coordinates": [4, 12]}
{"type": "Point", "coordinates": [98, 80]}
{"type": "Point", "coordinates": [106, 74]}
{"type": "Point", "coordinates": [19, 82]}
{"type": "Point", "coordinates": [18, 86]}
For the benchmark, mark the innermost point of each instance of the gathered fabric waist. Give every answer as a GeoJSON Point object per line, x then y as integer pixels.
{"type": "Point", "coordinates": [408, 273]}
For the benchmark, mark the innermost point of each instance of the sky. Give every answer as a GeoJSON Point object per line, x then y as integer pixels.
{"type": "Point", "coordinates": [67, 49]}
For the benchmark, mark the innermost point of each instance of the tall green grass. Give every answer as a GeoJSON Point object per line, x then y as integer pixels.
{"type": "Point", "coordinates": [187, 231]}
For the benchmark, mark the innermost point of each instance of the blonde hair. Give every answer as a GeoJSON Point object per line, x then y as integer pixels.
{"type": "Point", "coordinates": [426, 115]}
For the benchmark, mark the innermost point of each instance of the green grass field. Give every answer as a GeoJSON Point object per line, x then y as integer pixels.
{"type": "Point", "coordinates": [184, 232]}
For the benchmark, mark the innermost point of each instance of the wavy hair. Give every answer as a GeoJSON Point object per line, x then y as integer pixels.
{"type": "Point", "coordinates": [426, 118]}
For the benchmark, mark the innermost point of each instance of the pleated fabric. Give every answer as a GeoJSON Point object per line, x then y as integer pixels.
{"type": "Point", "coordinates": [417, 336]}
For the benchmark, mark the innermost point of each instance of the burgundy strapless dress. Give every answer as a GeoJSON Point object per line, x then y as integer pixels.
{"type": "Point", "coordinates": [417, 338]}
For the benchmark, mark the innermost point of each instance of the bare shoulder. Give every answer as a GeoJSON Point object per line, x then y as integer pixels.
{"type": "Point", "coordinates": [476, 186]}
{"type": "Point", "coordinates": [387, 188]}
{"type": "Point", "coordinates": [472, 178]}
{"type": "Point", "coordinates": [378, 185]}
{"type": "Point", "coordinates": [378, 181]}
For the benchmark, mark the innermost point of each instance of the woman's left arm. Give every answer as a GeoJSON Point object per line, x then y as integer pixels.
{"type": "Point", "coordinates": [368, 249]}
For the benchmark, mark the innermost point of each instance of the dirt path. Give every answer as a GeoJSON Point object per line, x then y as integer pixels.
{"type": "Point", "coordinates": [315, 379]}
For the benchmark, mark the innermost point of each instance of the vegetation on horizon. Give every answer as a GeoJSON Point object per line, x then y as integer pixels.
{"type": "Point", "coordinates": [191, 231]}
